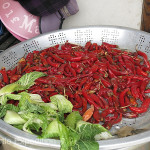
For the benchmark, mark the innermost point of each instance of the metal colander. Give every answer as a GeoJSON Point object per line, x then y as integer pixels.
{"type": "Point", "coordinates": [126, 38]}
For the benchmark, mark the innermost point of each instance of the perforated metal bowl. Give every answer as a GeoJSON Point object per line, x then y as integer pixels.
{"type": "Point", "coordinates": [124, 37]}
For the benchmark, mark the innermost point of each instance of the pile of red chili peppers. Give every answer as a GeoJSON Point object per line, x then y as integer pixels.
{"type": "Point", "coordinates": [111, 79]}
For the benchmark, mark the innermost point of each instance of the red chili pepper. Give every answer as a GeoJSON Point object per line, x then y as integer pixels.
{"type": "Point", "coordinates": [82, 83]}
{"type": "Point", "coordinates": [89, 99]}
{"type": "Point", "coordinates": [105, 91]}
{"type": "Point", "coordinates": [78, 101]}
{"type": "Point", "coordinates": [145, 58]}
{"type": "Point", "coordinates": [109, 45]}
{"type": "Point", "coordinates": [84, 105]}
{"type": "Point", "coordinates": [57, 58]}
{"type": "Point", "coordinates": [29, 58]}
{"type": "Point", "coordinates": [109, 58]}
{"type": "Point", "coordinates": [144, 107]}
{"type": "Point", "coordinates": [141, 72]}
{"type": "Point", "coordinates": [105, 82]}
{"type": "Point", "coordinates": [37, 68]}
{"type": "Point", "coordinates": [106, 112]}
{"type": "Point", "coordinates": [54, 64]}
{"type": "Point", "coordinates": [42, 90]}
{"type": "Point", "coordinates": [97, 100]}
{"type": "Point", "coordinates": [96, 115]}
{"type": "Point", "coordinates": [87, 85]}
{"type": "Point", "coordinates": [143, 86]}
{"type": "Point", "coordinates": [118, 118]}
{"type": "Point", "coordinates": [105, 103]}
{"type": "Point", "coordinates": [72, 70]}
{"type": "Point", "coordinates": [87, 46]}
{"type": "Point", "coordinates": [134, 91]}
{"type": "Point", "coordinates": [133, 101]}
{"type": "Point", "coordinates": [94, 68]}
{"type": "Point", "coordinates": [119, 73]}
{"type": "Point", "coordinates": [44, 61]}
{"type": "Point", "coordinates": [14, 78]}
{"type": "Point", "coordinates": [61, 69]}
{"type": "Point", "coordinates": [4, 75]}
{"type": "Point", "coordinates": [75, 65]}
{"type": "Point", "coordinates": [122, 96]}
{"type": "Point", "coordinates": [111, 74]}
{"type": "Point", "coordinates": [110, 101]}
{"type": "Point", "coordinates": [76, 59]}
{"type": "Point", "coordinates": [115, 85]}
{"type": "Point", "coordinates": [147, 91]}
{"type": "Point", "coordinates": [136, 77]}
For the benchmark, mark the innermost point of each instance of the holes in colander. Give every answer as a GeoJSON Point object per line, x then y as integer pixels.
{"type": "Point", "coordinates": [57, 38]}
{"type": "Point", "coordinates": [83, 36]}
{"type": "Point", "coordinates": [10, 59]}
{"type": "Point", "coordinates": [141, 42]}
{"type": "Point", "coordinates": [33, 45]}
{"type": "Point", "coordinates": [147, 49]}
{"type": "Point", "coordinates": [110, 36]}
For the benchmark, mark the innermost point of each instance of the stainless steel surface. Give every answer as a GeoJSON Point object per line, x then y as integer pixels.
{"type": "Point", "coordinates": [126, 38]}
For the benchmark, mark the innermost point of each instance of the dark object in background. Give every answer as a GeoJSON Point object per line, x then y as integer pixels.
{"type": "Point", "coordinates": [145, 20]}
{"type": "Point", "coordinates": [55, 21]}
{"type": "Point", "coordinates": [1, 28]}
{"type": "Point", "coordinates": [43, 7]}
{"type": "Point", "coordinates": [7, 40]}
{"type": "Point", "coordinates": [52, 12]}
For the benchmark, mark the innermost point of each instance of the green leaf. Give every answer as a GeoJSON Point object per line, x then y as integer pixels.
{"type": "Point", "coordinates": [72, 119]}
{"type": "Point", "coordinates": [48, 109]}
{"type": "Point", "coordinates": [67, 136]}
{"type": "Point", "coordinates": [35, 123]}
{"type": "Point", "coordinates": [3, 99]}
{"type": "Point", "coordinates": [86, 145]}
{"type": "Point", "coordinates": [12, 117]}
{"type": "Point", "coordinates": [88, 131]}
{"type": "Point", "coordinates": [27, 80]}
{"type": "Point", "coordinates": [9, 88]}
{"type": "Point", "coordinates": [32, 108]}
{"type": "Point", "coordinates": [64, 136]}
{"type": "Point", "coordinates": [52, 130]}
{"type": "Point", "coordinates": [20, 126]}
{"type": "Point", "coordinates": [62, 103]}
{"type": "Point", "coordinates": [4, 108]}
{"type": "Point", "coordinates": [6, 97]}
{"type": "Point", "coordinates": [74, 137]}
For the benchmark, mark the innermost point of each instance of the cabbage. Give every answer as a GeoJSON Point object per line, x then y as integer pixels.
{"type": "Point", "coordinates": [25, 82]}
{"type": "Point", "coordinates": [13, 118]}
{"type": "Point", "coordinates": [89, 131]}
{"type": "Point", "coordinates": [72, 119]}
{"type": "Point", "coordinates": [61, 103]}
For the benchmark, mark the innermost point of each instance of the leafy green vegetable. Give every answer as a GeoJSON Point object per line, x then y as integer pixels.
{"type": "Point", "coordinates": [62, 103]}
{"type": "Point", "coordinates": [12, 117]}
{"type": "Point", "coordinates": [6, 97]}
{"type": "Point", "coordinates": [32, 108]}
{"type": "Point", "coordinates": [25, 82]}
{"type": "Point", "coordinates": [86, 145]}
{"type": "Point", "coordinates": [52, 130]}
{"type": "Point", "coordinates": [88, 131]}
{"type": "Point", "coordinates": [35, 123]}
{"type": "Point", "coordinates": [20, 126]}
{"type": "Point", "coordinates": [56, 129]}
{"type": "Point", "coordinates": [74, 137]}
{"type": "Point", "coordinates": [9, 88]}
{"type": "Point", "coordinates": [72, 119]}
{"type": "Point", "coordinates": [4, 108]}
